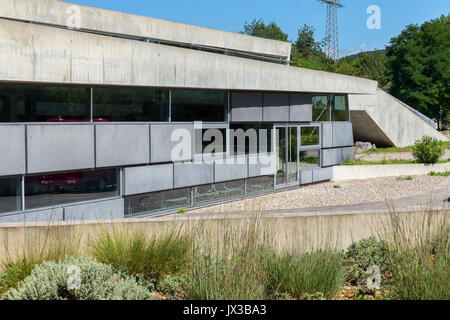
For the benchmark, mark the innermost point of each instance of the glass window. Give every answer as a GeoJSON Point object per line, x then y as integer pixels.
{"type": "Point", "coordinates": [158, 201]}
{"type": "Point", "coordinates": [259, 185]}
{"type": "Point", "coordinates": [218, 191]}
{"type": "Point", "coordinates": [44, 103]}
{"type": "Point", "coordinates": [69, 187]}
{"type": "Point", "coordinates": [321, 110]}
{"type": "Point", "coordinates": [10, 194]}
{"type": "Point", "coordinates": [310, 136]}
{"type": "Point", "coordinates": [251, 139]}
{"type": "Point", "coordinates": [309, 159]}
{"type": "Point", "coordinates": [131, 104]}
{"type": "Point", "coordinates": [213, 139]}
{"type": "Point", "coordinates": [339, 110]}
{"type": "Point", "coordinates": [190, 105]}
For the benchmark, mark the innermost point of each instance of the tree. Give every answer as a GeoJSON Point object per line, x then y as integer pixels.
{"type": "Point", "coordinates": [419, 66]}
{"type": "Point", "coordinates": [373, 66]}
{"type": "Point", "coordinates": [257, 28]}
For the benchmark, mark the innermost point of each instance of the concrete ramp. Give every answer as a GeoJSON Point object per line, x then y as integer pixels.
{"type": "Point", "coordinates": [386, 121]}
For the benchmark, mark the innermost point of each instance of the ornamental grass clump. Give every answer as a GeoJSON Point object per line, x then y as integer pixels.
{"type": "Point", "coordinates": [137, 253]}
{"type": "Point", "coordinates": [77, 279]}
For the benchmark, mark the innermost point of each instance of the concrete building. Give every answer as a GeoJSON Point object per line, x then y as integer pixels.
{"type": "Point", "coordinates": [92, 103]}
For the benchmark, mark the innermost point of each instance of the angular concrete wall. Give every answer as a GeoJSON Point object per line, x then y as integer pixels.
{"type": "Point", "coordinates": [12, 146]}
{"type": "Point", "coordinates": [393, 124]}
{"type": "Point", "coordinates": [60, 147]}
{"type": "Point", "coordinates": [118, 145]}
{"type": "Point", "coordinates": [36, 53]}
{"type": "Point", "coordinates": [119, 23]}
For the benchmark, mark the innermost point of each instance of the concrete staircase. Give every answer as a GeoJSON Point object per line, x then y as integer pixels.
{"type": "Point", "coordinates": [386, 121]}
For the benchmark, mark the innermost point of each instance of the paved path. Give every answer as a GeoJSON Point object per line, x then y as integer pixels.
{"type": "Point", "coordinates": [393, 156]}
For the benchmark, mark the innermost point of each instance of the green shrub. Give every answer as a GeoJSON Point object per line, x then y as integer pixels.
{"type": "Point", "coordinates": [173, 287]}
{"type": "Point", "coordinates": [428, 150]}
{"type": "Point", "coordinates": [305, 276]}
{"type": "Point", "coordinates": [363, 254]}
{"type": "Point", "coordinates": [49, 281]}
{"type": "Point", "coordinates": [136, 254]}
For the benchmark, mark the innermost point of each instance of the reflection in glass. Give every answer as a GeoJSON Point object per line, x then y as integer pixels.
{"type": "Point", "coordinates": [281, 162]}
{"type": "Point", "coordinates": [158, 201]}
{"type": "Point", "coordinates": [10, 194]}
{"type": "Point", "coordinates": [190, 105]}
{"type": "Point", "coordinates": [309, 159]}
{"type": "Point", "coordinates": [339, 110]}
{"type": "Point", "coordinates": [309, 136]}
{"type": "Point", "coordinates": [131, 104]}
{"type": "Point", "coordinates": [218, 191]}
{"type": "Point", "coordinates": [321, 110]}
{"type": "Point", "coordinates": [70, 187]}
{"type": "Point", "coordinates": [292, 155]}
{"type": "Point", "coordinates": [44, 103]}
{"type": "Point", "coordinates": [259, 185]}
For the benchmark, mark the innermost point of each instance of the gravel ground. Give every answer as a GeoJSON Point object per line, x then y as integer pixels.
{"type": "Point", "coordinates": [394, 156]}
{"type": "Point", "coordinates": [325, 194]}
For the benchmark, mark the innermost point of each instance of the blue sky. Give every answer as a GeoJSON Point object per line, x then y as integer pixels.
{"type": "Point", "coordinates": [230, 15]}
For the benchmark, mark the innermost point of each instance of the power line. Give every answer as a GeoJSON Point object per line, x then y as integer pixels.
{"type": "Point", "coordinates": [332, 34]}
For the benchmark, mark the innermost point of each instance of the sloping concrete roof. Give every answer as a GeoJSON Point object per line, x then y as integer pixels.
{"type": "Point", "coordinates": [60, 13]}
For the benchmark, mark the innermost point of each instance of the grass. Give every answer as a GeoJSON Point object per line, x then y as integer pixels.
{"type": "Point", "coordinates": [359, 162]}
{"type": "Point", "coordinates": [420, 262]}
{"type": "Point", "coordinates": [439, 174]}
{"type": "Point", "coordinates": [139, 254]}
{"type": "Point", "coordinates": [446, 145]}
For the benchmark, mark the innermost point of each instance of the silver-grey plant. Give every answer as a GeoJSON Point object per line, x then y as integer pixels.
{"type": "Point", "coordinates": [97, 281]}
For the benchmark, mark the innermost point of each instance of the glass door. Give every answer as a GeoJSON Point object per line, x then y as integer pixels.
{"type": "Point", "coordinates": [287, 160]}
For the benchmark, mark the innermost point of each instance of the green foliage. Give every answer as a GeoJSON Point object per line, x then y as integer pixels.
{"type": "Point", "coordinates": [419, 66]}
{"type": "Point", "coordinates": [428, 150]}
{"type": "Point", "coordinates": [363, 254]}
{"type": "Point", "coordinates": [258, 28]}
{"type": "Point", "coordinates": [305, 274]}
{"type": "Point", "coordinates": [359, 162]}
{"type": "Point", "coordinates": [136, 253]}
{"type": "Point", "coordinates": [49, 281]}
{"type": "Point", "coordinates": [372, 66]}
{"type": "Point", "coordinates": [439, 174]}
{"type": "Point", "coordinates": [15, 272]}
{"type": "Point", "coordinates": [173, 287]}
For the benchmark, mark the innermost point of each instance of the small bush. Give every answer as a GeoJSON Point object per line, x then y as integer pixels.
{"type": "Point", "coordinates": [306, 276]}
{"type": "Point", "coordinates": [173, 287]}
{"type": "Point", "coordinates": [49, 281]}
{"type": "Point", "coordinates": [363, 254]}
{"type": "Point", "coordinates": [136, 254]}
{"type": "Point", "coordinates": [428, 150]}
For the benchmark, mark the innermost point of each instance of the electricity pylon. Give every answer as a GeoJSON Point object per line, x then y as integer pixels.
{"type": "Point", "coordinates": [331, 37]}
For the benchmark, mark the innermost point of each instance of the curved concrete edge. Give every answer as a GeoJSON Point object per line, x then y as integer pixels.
{"type": "Point", "coordinates": [342, 173]}
{"type": "Point", "coordinates": [400, 125]}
